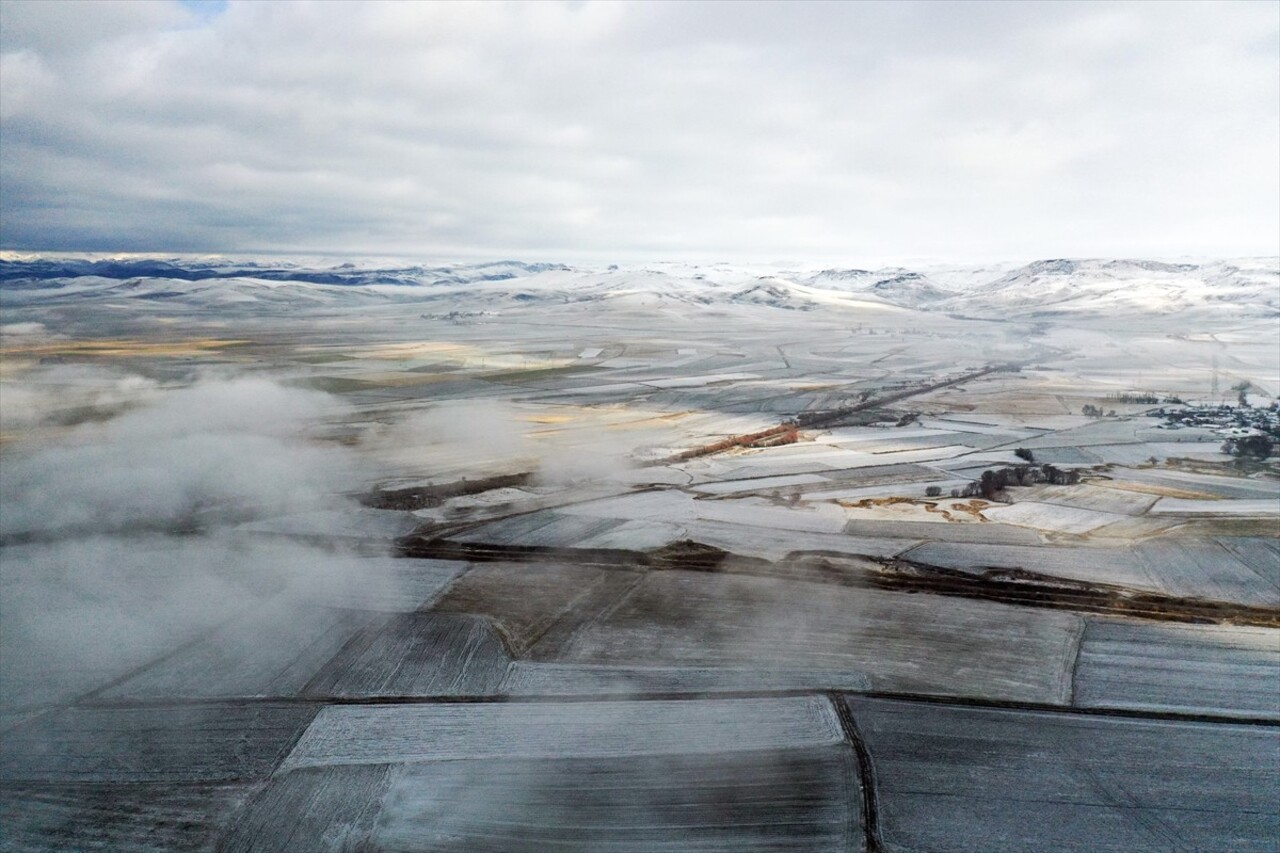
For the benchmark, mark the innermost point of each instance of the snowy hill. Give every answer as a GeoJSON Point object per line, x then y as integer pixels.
{"type": "Point", "coordinates": [1081, 288]}
{"type": "Point", "coordinates": [895, 285]}
{"type": "Point", "coordinates": [1061, 288]}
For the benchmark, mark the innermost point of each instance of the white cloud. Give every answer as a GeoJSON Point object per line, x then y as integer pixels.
{"type": "Point", "coordinates": [578, 130]}
{"type": "Point", "coordinates": [132, 544]}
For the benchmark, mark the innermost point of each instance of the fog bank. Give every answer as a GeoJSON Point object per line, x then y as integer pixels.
{"type": "Point", "coordinates": [124, 538]}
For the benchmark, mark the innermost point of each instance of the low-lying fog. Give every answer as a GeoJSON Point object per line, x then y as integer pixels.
{"type": "Point", "coordinates": [122, 536]}
{"type": "Point", "coordinates": [125, 509]}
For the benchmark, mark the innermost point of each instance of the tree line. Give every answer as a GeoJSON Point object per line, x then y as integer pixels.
{"type": "Point", "coordinates": [995, 480]}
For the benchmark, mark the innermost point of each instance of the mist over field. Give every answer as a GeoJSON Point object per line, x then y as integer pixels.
{"type": "Point", "coordinates": [437, 552]}
{"type": "Point", "coordinates": [122, 533]}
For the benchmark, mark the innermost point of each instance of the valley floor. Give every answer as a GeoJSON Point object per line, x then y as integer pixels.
{"type": "Point", "coordinates": [590, 615]}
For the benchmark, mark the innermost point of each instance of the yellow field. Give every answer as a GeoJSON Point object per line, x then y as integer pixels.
{"type": "Point", "coordinates": [109, 348]}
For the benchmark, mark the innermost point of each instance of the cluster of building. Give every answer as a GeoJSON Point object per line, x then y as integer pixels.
{"type": "Point", "coordinates": [1227, 421]}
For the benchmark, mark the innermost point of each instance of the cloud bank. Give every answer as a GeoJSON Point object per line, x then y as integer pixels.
{"type": "Point", "coordinates": [643, 130]}
{"type": "Point", "coordinates": [121, 539]}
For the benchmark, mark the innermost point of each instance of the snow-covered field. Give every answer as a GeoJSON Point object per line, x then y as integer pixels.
{"type": "Point", "coordinates": [374, 544]}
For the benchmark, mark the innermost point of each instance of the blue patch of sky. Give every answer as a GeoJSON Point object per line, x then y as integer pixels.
{"type": "Point", "coordinates": [205, 8]}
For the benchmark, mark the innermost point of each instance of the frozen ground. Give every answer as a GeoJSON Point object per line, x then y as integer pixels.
{"type": "Point", "coordinates": [528, 557]}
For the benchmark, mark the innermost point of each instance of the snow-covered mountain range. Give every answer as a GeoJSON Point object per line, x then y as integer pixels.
{"type": "Point", "coordinates": [1249, 288]}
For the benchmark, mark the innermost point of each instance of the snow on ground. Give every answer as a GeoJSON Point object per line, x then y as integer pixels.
{"type": "Point", "coordinates": [1182, 506]}
{"type": "Point", "coordinates": [331, 728]}
{"type": "Point", "coordinates": [1062, 519]}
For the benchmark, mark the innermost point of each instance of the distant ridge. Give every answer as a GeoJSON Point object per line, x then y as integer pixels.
{"type": "Point", "coordinates": [1080, 288]}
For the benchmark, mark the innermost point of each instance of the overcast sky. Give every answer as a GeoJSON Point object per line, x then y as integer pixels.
{"type": "Point", "coordinates": [610, 131]}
